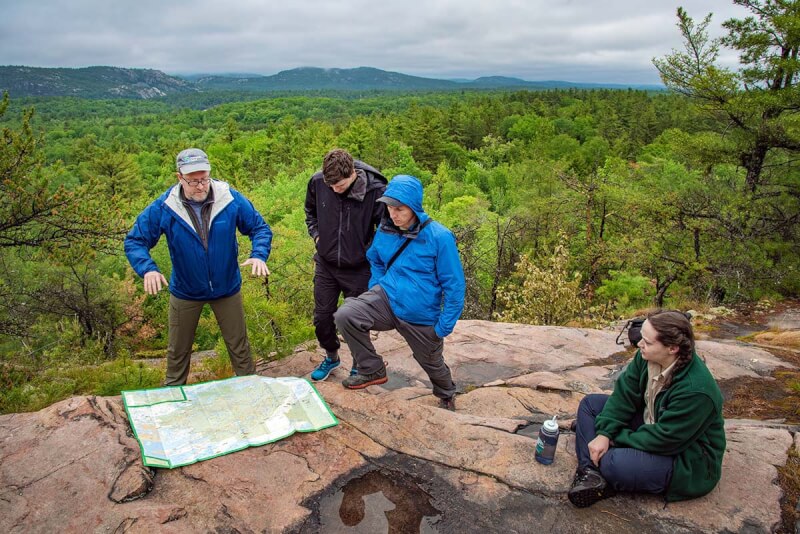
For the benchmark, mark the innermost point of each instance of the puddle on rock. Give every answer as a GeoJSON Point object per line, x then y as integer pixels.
{"type": "Point", "coordinates": [480, 373]}
{"type": "Point", "coordinates": [466, 375]}
{"type": "Point", "coordinates": [530, 430]}
{"type": "Point", "coordinates": [377, 503]}
{"type": "Point", "coordinates": [398, 381]}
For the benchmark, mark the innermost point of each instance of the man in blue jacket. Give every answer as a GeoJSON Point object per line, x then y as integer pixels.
{"type": "Point", "coordinates": [418, 291]}
{"type": "Point", "coordinates": [200, 216]}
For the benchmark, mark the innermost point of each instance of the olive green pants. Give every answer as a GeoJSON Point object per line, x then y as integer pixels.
{"type": "Point", "coordinates": [183, 318]}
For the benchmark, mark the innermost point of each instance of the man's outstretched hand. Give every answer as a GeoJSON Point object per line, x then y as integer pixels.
{"type": "Point", "coordinates": [153, 282]}
{"type": "Point", "coordinates": [259, 268]}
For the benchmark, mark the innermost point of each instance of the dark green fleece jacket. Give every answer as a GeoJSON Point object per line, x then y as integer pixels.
{"type": "Point", "coordinates": [688, 424]}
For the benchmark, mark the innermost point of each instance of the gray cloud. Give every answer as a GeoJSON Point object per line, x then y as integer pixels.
{"type": "Point", "coordinates": [577, 40]}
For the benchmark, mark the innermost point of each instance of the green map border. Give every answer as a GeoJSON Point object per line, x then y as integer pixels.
{"type": "Point", "coordinates": [153, 461]}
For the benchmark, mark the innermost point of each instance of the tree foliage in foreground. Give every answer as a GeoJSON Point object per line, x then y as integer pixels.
{"type": "Point", "coordinates": [759, 101]}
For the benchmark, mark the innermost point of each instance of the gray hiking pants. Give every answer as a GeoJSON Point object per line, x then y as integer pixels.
{"type": "Point", "coordinates": [371, 311]}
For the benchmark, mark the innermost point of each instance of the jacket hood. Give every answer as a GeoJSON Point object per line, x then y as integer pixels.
{"type": "Point", "coordinates": [374, 177]}
{"type": "Point", "coordinates": [408, 190]}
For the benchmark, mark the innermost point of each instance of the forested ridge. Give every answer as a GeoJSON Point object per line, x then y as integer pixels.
{"type": "Point", "coordinates": [115, 82]}
{"type": "Point", "coordinates": [570, 206]}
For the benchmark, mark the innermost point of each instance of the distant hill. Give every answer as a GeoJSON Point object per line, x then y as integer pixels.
{"type": "Point", "coordinates": [198, 76]}
{"type": "Point", "coordinates": [368, 78]}
{"type": "Point", "coordinates": [313, 78]}
{"type": "Point", "coordinates": [114, 82]}
{"type": "Point", "coordinates": [91, 82]}
{"type": "Point", "coordinates": [491, 82]}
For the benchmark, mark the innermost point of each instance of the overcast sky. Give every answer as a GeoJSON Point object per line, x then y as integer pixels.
{"type": "Point", "coordinates": [573, 40]}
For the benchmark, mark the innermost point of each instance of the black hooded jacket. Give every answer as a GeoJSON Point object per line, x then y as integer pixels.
{"type": "Point", "coordinates": [345, 224]}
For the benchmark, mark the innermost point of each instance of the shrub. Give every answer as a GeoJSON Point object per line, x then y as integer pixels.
{"type": "Point", "coordinates": [548, 295]}
{"type": "Point", "coordinates": [624, 291]}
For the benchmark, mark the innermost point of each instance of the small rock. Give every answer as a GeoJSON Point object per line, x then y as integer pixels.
{"type": "Point", "coordinates": [720, 310]}
{"type": "Point", "coordinates": [133, 483]}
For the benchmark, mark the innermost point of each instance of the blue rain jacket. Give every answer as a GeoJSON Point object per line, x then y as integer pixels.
{"type": "Point", "coordinates": [425, 285]}
{"type": "Point", "coordinates": [199, 273]}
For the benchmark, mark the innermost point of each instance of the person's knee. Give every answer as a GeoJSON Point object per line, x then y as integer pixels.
{"type": "Point", "coordinates": [343, 316]}
{"type": "Point", "coordinates": [593, 403]}
{"type": "Point", "coordinates": [587, 401]}
{"type": "Point", "coordinates": [616, 471]}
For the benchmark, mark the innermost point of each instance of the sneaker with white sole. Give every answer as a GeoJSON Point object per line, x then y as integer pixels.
{"type": "Point", "coordinates": [324, 369]}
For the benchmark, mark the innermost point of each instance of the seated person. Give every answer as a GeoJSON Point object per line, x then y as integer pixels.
{"type": "Point", "coordinates": [661, 431]}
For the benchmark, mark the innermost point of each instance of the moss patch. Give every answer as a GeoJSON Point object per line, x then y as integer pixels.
{"type": "Point", "coordinates": [789, 338]}
{"type": "Point", "coordinates": [617, 358]}
{"type": "Point", "coordinates": [756, 398]}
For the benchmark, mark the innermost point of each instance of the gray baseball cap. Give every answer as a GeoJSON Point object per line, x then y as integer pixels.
{"type": "Point", "coordinates": [391, 201]}
{"type": "Point", "coordinates": [192, 160]}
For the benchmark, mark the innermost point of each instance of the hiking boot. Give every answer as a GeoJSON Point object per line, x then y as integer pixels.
{"type": "Point", "coordinates": [448, 404]}
{"type": "Point", "coordinates": [359, 381]}
{"type": "Point", "coordinates": [588, 487]}
{"type": "Point", "coordinates": [324, 369]}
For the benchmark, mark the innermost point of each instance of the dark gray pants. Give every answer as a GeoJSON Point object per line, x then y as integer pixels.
{"type": "Point", "coordinates": [371, 311]}
{"type": "Point", "coordinates": [183, 318]}
{"type": "Point", "coordinates": [624, 468]}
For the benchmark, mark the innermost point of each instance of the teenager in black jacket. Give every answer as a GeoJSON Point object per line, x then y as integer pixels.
{"type": "Point", "coordinates": [342, 215]}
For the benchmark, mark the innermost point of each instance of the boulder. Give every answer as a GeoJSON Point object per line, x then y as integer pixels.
{"type": "Point", "coordinates": [395, 461]}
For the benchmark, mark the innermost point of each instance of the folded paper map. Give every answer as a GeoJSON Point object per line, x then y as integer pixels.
{"type": "Point", "coordinates": [181, 425]}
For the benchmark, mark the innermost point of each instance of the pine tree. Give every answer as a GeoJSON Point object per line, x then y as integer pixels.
{"type": "Point", "coordinates": [758, 102]}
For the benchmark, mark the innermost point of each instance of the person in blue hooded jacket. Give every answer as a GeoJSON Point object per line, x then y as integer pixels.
{"type": "Point", "coordinates": [418, 291]}
{"type": "Point", "coordinates": [199, 217]}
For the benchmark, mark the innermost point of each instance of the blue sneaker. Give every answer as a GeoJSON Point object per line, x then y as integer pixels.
{"type": "Point", "coordinates": [353, 371]}
{"type": "Point", "coordinates": [324, 369]}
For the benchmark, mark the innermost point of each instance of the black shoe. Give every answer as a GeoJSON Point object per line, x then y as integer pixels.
{"type": "Point", "coordinates": [360, 381]}
{"type": "Point", "coordinates": [448, 404]}
{"type": "Point", "coordinates": [588, 487]}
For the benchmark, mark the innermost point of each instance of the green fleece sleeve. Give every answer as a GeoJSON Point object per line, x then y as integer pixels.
{"type": "Point", "coordinates": [685, 419]}
{"type": "Point", "coordinates": [625, 402]}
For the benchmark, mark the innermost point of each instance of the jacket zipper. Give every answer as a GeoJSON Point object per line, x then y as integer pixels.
{"type": "Point", "coordinates": [208, 271]}
{"type": "Point", "coordinates": [339, 236]}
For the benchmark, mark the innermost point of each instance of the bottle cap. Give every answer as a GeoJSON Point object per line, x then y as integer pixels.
{"type": "Point", "coordinates": [551, 425]}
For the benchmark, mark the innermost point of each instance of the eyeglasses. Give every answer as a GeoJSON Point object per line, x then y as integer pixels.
{"type": "Point", "coordinates": [195, 183]}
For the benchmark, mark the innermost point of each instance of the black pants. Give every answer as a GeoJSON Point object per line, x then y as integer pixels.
{"type": "Point", "coordinates": [329, 283]}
